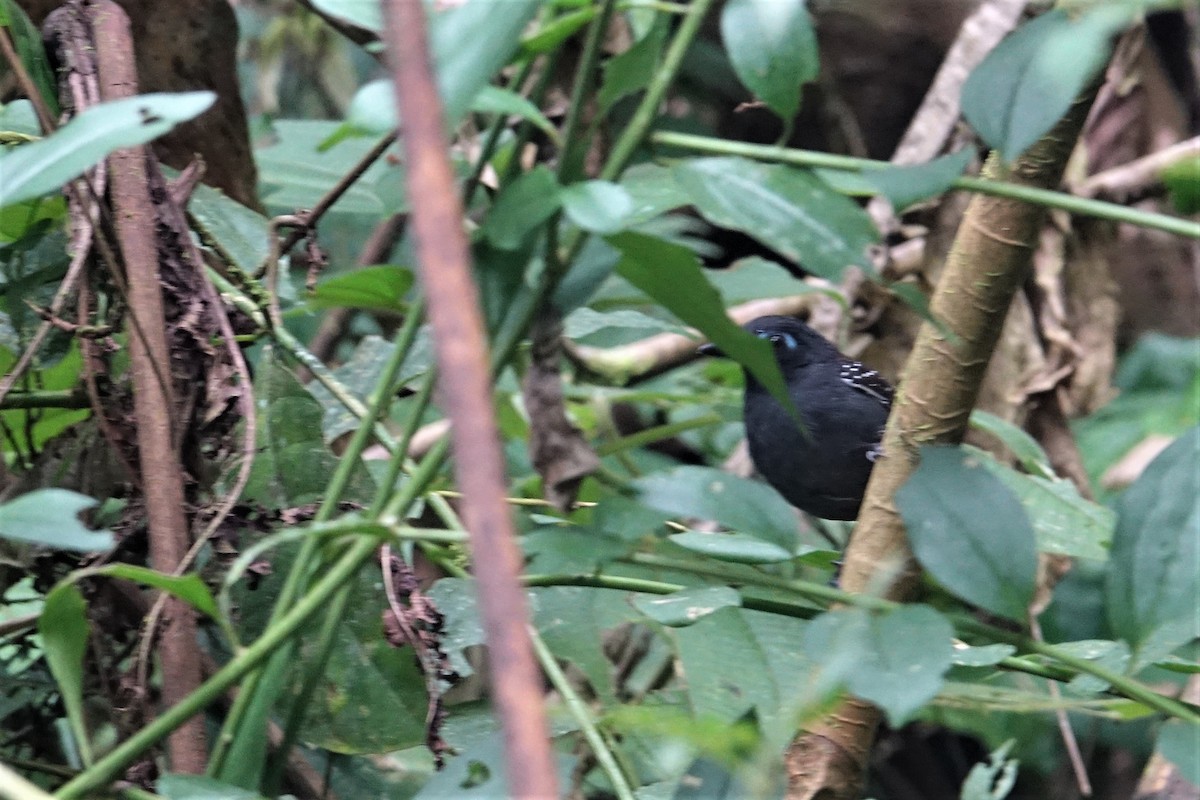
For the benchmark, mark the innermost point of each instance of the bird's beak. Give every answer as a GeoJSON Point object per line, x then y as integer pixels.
{"type": "Point", "coordinates": [709, 349]}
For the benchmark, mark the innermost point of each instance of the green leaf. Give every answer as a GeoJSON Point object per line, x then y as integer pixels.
{"type": "Point", "coordinates": [721, 686]}
{"type": "Point", "coordinates": [27, 41]}
{"type": "Point", "coordinates": [787, 209]}
{"type": "Point", "coordinates": [45, 166]}
{"type": "Point", "coordinates": [653, 191]}
{"type": "Point", "coordinates": [598, 206]}
{"type": "Point", "coordinates": [970, 532]}
{"type": "Point", "coordinates": [671, 275]}
{"type": "Point", "coordinates": [365, 14]}
{"type": "Point", "coordinates": [199, 787]}
{"type": "Point", "coordinates": [573, 621]}
{"type": "Point", "coordinates": [982, 656]}
{"type": "Point", "coordinates": [556, 31]}
{"type": "Point", "coordinates": [1182, 180]}
{"type": "Point", "coordinates": [522, 207]}
{"type": "Point", "coordinates": [740, 548]}
{"type": "Point", "coordinates": [904, 186]}
{"type": "Point", "coordinates": [755, 278]}
{"type": "Point", "coordinates": [1027, 83]}
{"type": "Point", "coordinates": [1154, 578]}
{"type": "Point", "coordinates": [583, 322]}
{"type": "Point", "coordinates": [1063, 521]}
{"type": "Point", "coordinates": [773, 49]}
{"type": "Point", "coordinates": [633, 70]}
{"type": "Point", "coordinates": [191, 589]}
{"type": "Point", "coordinates": [50, 517]}
{"type": "Point", "coordinates": [494, 100]}
{"type": "Point", "coordinates": [297, 171]}
{"type": "Point", "coordinates": [1026, 449]}
{"type": "Point", "coordinates": [747, 506]}
{"type": "Point", "coordinates": [462, 71]}
{"type": "Point", "coordinates": [63, 626]}
{"type": "Point", "coordinates": [571, 550]}
{"type": "Point", "coordinates": [292, 465]}
{"type": "Point", "coordinates": [379, 288]}
{"type": "Point", "coordinates": [686, 607]}
{"type": "Point", "coordinates": [896, 660]}
{"type": "Point", "coordinates": [238, 234]}
{"type": "Point", "coordinates": [993, 780]}
{"type": "Point", "coordinates": [1179, 743]}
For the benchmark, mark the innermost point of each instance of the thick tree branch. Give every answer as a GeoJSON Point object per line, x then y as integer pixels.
{"type": "Point", "coordinates": [150, 365]}
{"type": "Point", "coordinates": [988, 263]}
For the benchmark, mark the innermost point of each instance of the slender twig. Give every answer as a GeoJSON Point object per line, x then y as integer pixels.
{"type": "Point", "coordinates": [456, 320]}
{"type": "Point", "coordinates": [306, 221]}
{"type": "Point", "coordinates": [585, 77]}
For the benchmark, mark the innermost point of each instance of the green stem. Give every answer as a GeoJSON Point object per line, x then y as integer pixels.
{"type": "Point", "coordinates": [656, 434]}
{"type": "Point", "coordinates": [93, 779]}
{"type": "Point", "coordinates": [584, 78]}
{"type": "Point", "coordinates": [583, 716]}
{"type": "Point", "coordinates": [647, 110]}
{"type": "Point", "coordinates": [738, 575]}
{"type": "Point", "coordinates": [47, 398]}
{"type": "Point", "coordinates": [1042, 197]}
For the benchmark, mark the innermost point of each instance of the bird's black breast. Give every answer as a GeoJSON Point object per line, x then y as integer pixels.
{"type": "Point", "coordinates": [824, 468]}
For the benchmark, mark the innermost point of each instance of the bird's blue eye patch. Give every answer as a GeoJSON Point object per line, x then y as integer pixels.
{"type": "Point", "coordinates": [777, 339]}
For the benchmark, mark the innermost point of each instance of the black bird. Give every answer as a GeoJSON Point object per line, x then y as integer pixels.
{"type": "Point", "coordinates": [844, 405]}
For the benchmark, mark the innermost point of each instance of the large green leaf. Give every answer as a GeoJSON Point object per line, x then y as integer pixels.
{"type": "Point", "coordinates": [1154, 578]}
{"type": "Point", "coordinates": [671, 275]}
{"type": "Point", "coordinates": [64, 628]}
{"type": "Point", "coordinates": [378, 288]}
{"type": "Point", "coordinates": [749, 507]}
{"type": "Point", "coordinates": [522, 207]}
{"type": "Point", "coordinates": [633, 70]}
{"type": "Point", "coordinates": [573, 621]}
{"type": "Point", "coordinates": [905, 185]}
{"type": "Point", "coordinates": [970, 532]}
{"type": "Point", "coordinates": [773, 49]}
{"type": "Point", "coordinates": [50, 517]}
{"type": "Point", "coordinates": [372, 696]}
{"type": "Point", "coordinates": [1024, 86]}
{"type": "Point", "coordinates": [27, 41]}
{"type": "Point", "coordinates": [293, 464]}
{"type": "Point", "coordinates": [598, 206]}
{"type": "Point", "coordinates": [896, 660]}
{"type": "Point", "coordinates": [470, 43]}
{"type": "Point", "coordinates": [297, 171]}
{"type": "Point", "coordinates": [687, 606]}
{"type": "Point", "coordinates": [1064, 522]}
{"type": "Point", "coordinates": [785, 208]}
{"type": "Point", "coordinates": [45, 166]}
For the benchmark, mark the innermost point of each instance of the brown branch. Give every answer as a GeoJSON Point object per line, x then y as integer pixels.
{"type": "Point", "coordinates": [466, 393]}
{"type": "Point", "coordinates": [988, 263]}
{"type": "Point", "coordinates": [159, 462]}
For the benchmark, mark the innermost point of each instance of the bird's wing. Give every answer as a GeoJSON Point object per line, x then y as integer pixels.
{"type": "Point", "coordinates": [867, 381]}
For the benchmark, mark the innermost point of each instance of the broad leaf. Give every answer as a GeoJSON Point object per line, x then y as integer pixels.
{"type": "Point", "coordinates": [905, 185]}
{"type": "Point", "coordinates": [64, 629]}
{"type": "Point", "coordinates": [1064, 522]}
{"type": "Point", "coordinates": [687, 606]}
{"type": "Point", "coordinates": [749, 507]}
{"type": "Point", "coordinates": [896, 660]}
{"type": "Point", "coordinates": [173, 786]}
{"type": "Point", "coordinates": [470, 43]}
{"type": "Point", "coordinates": [190, 588]}
{"type": "Point", "coordinates": [522, 207]}
{"type": "Point", "coordinates": [1179, 743]}
{"type": "Point", "coordinates": [1154, 578]}
{"type": "Point", "coordinates": [785, 208]}
{"type": "Point", "coordinates": [44, 166]}
{"type": "Point", "coordinates": [773, 49]}
{"type": "Point", "coordinates": [379, 288]}
{"type": "Point", "coordinates": [598, 206]}
{"type": "Point", "coordinates": [671, 275]}
{"type": "Point", "coordinates": [50, 518]}
{"type": "Point", "coordinates": [740, 548]}
{"type": "Point", "coordinates": [633, 70]}
{"type": "Point", "coordinates": [969, 531]}
{"type": "Point", "coordinates": [1024, 86]}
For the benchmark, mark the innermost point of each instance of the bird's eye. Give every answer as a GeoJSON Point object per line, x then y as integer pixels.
{"type": "Point", "coordinates": [782, 339]}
